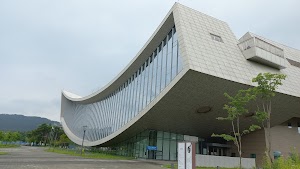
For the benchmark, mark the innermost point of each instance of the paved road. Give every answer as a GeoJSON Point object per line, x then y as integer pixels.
{"type": "Point", "coordinates": [37, 158]}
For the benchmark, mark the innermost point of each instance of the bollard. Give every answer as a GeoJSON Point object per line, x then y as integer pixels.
{"type": "Point", "coordinates": [172, 166]}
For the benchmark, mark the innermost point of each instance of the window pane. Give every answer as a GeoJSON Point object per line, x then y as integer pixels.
{"type": "Point", "coordinates": [169, 59]}
{"type": "Point", "coordinates": [150, 71]}
{"type": "Point", "coordinates": [142, 87]}
{"type": "Point", "coordinates": [164, 65]}
{"type": "Point", "coordinates": [174, 56]}
{"type": "Point", "coordinates": [180, 65]}
{"type": "Point", "coordinates": [112, 118]}
{"type": "Point", "coordinates": [120, 113]}
{"type": "Point", "coordinates": [123, 106]}
{"type": "Point", "coordinates": [158, 73]}
{"type": "Point", "coordinates": [159, 134]}
{"type": "Point", "coordinates": [145, 83]}
{"type": "Point", "coordinates": [116, 109]}
{"type": "Point", "coordinates": [159, 149]}
{"type": "Point", "coordinates": [166, 135]}
{"type": "Point", "coordinates": [101, 118]}
{"type": "Point", "coordinates": [154, 70]}
{"type": "Point", "coordinates": [134, 96]}
{"type": "Point", "coordinates": [138, 91]}
{"type": "Point", "coordinates": [173, 150]}
{"type": "Point", "coordinates": [166, 150]}
{"type": "Point", "coordinates": [130, 100]}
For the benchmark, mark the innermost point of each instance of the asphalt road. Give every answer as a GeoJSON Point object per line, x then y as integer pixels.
{"type": "Point", "coordinates": [37, 158]}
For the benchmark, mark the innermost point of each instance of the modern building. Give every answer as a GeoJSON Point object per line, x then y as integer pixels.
{"type": "Point", "coordinates": [173, 90]}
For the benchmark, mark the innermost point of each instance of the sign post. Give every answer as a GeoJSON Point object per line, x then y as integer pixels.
{"type": "Point", "coordinates": [186, 155]}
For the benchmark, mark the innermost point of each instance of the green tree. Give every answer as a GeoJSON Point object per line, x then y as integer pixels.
{"type": "Point", "coordinates": [31, 137]}
{"type": "Point", "coordinates": [8, 137]}
{"type": "Point", "coordinates": [40, 134]}
{"type": "Point", "coordinates": [55, 134]}
{"type": "Point", "coordinates": [15, 136]}
{"type": "Point", "coordinates": [235, 110]}
{"type": "Point", "coordinates": [265, 91]}
{"type": "Point", "coordinates": [64, 140]}
{"type": "Point", "coordinates": [43, 132]}
{"type": "Point", "coordinates": [1, 135]}
{"type": "Point", "coordinates": [23, 136]}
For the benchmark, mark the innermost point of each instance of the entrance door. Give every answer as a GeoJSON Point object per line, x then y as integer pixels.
{"type": "Point", "coordinates": [151, 154]}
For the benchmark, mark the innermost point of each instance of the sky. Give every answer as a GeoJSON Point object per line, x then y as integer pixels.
{"type": "Point", "coordinates": [47, 46]}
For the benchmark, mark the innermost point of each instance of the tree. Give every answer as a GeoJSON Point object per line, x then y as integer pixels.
{"type": "Point", "coordinates": [16, 136]}
{"type": "Point", "coordinates": [23, 136]}
{"type": "Point", "coordinates": [41, 134]}
{"type": "Point", "coordinates": [55, 134]}
{"type": "Point", "coordinates": [1, 135]}
{"type": "Point", "coordinates": [64, 140]}
{"type": "Point", "coordinates": [235, 110]}
{"type": "Point", "coordinates": [44, 133]}
{"type": "Point", "coordinates": [8, 137]}
{"type": "Point", "coordinates": [265, 91]}
{"type": "Point", "coordinates": [32, 137]}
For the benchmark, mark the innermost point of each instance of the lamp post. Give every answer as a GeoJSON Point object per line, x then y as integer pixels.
{"type": "Point", "coordinates": [84, 129]}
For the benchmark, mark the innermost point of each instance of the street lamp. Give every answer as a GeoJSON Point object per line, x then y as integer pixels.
{"type": "Point", "coordinates": [84, 129]}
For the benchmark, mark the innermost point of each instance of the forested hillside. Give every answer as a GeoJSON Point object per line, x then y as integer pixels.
{"type": "Point", "coordinates": [22, 123]}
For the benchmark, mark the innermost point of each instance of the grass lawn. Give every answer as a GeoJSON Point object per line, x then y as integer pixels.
{"type": "Point", "coordinates": [9, 146]}
{"type": "Point", "coordinates": [88, 155]}
{"type": "Point", "coordinates": [169, 166]}
{"type": "Point", "coordinates": [3, 153]}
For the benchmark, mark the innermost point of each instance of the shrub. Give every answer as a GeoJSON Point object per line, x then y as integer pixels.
{"type": "Point", "coordinates": [291, 162]}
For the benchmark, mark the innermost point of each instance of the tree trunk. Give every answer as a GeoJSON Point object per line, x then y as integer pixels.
{"type": "Point", "coordinates": [240, 162]}
{"type": "Point", "coordinates": [269, 136]}
{"type": "Point", "coordinates": [240, 138]}
{"type": "Point", "coordinates": [240, 141]}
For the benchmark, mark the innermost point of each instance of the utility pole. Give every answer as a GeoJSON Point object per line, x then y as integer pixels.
{"type": "Point", "coordinates": [84, 129]}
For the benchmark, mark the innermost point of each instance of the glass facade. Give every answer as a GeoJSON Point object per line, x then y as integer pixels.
{"type": "Point", "coordinates": [165, 142]}
{"type": "Point", "coordinates": [118, 108]}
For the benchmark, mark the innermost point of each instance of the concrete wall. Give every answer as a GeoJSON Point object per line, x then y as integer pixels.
{"type": "Point", "coordinates": [253, 143]}
{"type": "Point", "coordinates": [285, 139]}
{"type": "Point", "coordinates": [223, 161]}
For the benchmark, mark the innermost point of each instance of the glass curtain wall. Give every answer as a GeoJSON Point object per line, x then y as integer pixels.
{"type": "Point", "coordinates": [134, 95]}
{"type": "Point", "coordinates": [165, 142]}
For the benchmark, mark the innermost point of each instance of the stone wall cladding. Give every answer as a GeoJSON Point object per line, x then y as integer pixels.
{"type": "Point", "coordinates": [224, 59]}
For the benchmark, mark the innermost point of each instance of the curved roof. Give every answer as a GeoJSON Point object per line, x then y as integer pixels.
{"type": "Point", "coordinates": [135, 63]}
{"type": "Point", "coordinates": [210, 68]}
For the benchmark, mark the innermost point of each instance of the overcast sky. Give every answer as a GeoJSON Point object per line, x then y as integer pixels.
{"type": "Point", "coordinates": [50, 45]}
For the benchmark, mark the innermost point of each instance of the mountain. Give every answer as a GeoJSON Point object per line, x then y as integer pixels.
{"type": "Point", "coordinates": [14, 122]}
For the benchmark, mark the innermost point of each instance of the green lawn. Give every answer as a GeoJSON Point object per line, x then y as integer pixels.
{"type": "Point", "coordinates": [3, 153]}
{"type": "Point", "coordinates": [9, 146]}
{"type": "Point", "coordinates": [88, 155]}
